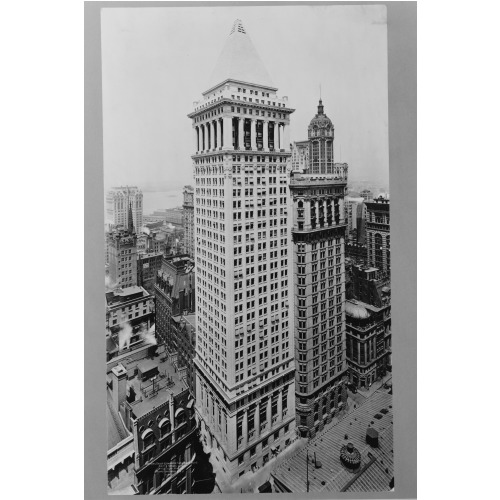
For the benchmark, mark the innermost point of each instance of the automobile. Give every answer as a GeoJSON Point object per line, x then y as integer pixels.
{"type": "Point", "coordinates": [352, 388]}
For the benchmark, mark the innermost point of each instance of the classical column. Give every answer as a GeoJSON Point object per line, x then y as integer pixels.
{"type": "Point", "coordinates": [209, 137]}
{"type": "Point", "coordinates": [228, 132]}
{"type": "Point", "coordinates": [265, 135]}
{"type": "Point", "coordinates": [253, 134]}
{"type": "Point", "coordinates": [269, 416]}
{"type": "Point", "coordinates": [281, 130]}
{"type": "Point", "coordinates": [286, 134]}
{"type": "Point", "coordinates": [276, 136]}
{"type": "Point", "coordinates": [241, 142]}
{"type": "Point", "coordinates": [219, 133]}
{"type": "Point", "coordinates": [280, 405]}
{"type": "Point", "coordinates": [196, 140]}
{"type": "Point", "coordinates": [215, 136]}
{"type": "Point", "coordinates": [202, 137]}
{"type": "Point", "coordinates": [245, 426]}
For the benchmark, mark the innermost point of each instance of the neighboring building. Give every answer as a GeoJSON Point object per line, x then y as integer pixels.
{"type": "Point", "coordinates": [151, 428]}
{"type": "Point", "coordinates": [355, 455]}
{"type": "Point", "coordinates": [244, 342]}
{"type": "Point", "coordinates": [351, 211]}
{"type": "Point", "coordinates": [319, 266]}
{"type": "Point", "coordinates": [355, 209]}
{"type": "Point", "coordinates": [122, 257]}
{"type": "Point", "coordinates": [175, 316]}
{"type": "Point", "coordinates": [129, 312]}
{"type": "Point", "coordinates": [184, 331]}
{"type": "Point", "coordinates": [368, 342]}
{"type": "Point", "coordinates": [148, 265]}
{"type": "Point", "coordinates": [378, 239]}
{"type": "Point", "coordinates": [300, 156]}
{"type": "Point", "coordinates": [175, 296]}
{"type": "Point", "coordinates": [366, 194]}
{"type": "Point", "coordinates": [188, 215]}
{"type": "Point", "coordinates": [118, 201]}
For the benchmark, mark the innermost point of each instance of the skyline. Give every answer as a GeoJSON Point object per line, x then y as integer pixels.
{"type": "Point", "coordinates": [147, 135]}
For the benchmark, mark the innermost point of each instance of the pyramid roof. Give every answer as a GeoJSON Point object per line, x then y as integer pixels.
{"type": "Point", "coordinates": [240, 61]}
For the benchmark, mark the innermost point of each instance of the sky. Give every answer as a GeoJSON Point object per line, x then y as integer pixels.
{"type": "Point", "coordinates": [157, 61]}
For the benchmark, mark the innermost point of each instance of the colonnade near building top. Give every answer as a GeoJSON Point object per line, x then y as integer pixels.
{"type": "Point", "coordinates": [238, 133]}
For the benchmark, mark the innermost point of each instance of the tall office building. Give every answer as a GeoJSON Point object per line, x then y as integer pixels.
{"type": "Point", "coordinates": [378, 238]}
{"type": "Point", "coordinates": [300, 156]}
{"type": "Point", "coordinates": [319, 228]}
{"type": "Point", "coordinates": [188, 215]}
{"type": "Point", "coordinates": [122, 252]}
{"type": "Point", "coordinates": [244, 342]}
{"type": "Point", "coordinates": [118, 201]}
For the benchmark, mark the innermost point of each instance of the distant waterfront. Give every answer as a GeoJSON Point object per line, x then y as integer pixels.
{"type": "Point", "coordinates": [158, 200]}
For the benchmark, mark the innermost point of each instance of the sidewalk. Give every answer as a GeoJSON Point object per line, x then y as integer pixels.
{"type": "Point", "coordinates": [250, 482]}
{"type": "Point", "coordinates": [375, 386]}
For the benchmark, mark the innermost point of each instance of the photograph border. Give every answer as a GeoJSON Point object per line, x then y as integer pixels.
{"type": "Point", "coordinates": [402, 98]}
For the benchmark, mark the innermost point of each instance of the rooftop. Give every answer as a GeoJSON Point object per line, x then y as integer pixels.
{"type": "Point", "coordinates": [239, 60]}
{"type": "Point", "coordinates": [373, 475]}
{"type": "Point", "coordinates": [120, 295]}
{"type": "Point", "coordinates": [150, 395]}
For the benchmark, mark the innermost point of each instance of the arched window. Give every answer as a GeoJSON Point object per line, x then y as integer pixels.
{"type": "Point", "coordinates": [180, 417]}
{"type": "Point", "coordinates": [165, 427]}
{"type": "Point", "coordinates": [148, 438]}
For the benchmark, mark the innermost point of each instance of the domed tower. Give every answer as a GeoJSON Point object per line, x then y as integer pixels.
{"type": "Point", "coordinates": [321, 135]}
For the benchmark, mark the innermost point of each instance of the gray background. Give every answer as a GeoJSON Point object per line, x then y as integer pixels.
{"type": "Point", "coordinates": [402, 60]}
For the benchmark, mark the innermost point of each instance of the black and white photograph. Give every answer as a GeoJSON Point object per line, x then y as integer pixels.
{"type": "Point", "coordinates": [247, 250]}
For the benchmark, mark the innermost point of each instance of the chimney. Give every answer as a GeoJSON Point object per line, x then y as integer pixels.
{"type": "Point", "coordinates": [119, 378]}
{"type": "Point", "coordinates": [372, 437]}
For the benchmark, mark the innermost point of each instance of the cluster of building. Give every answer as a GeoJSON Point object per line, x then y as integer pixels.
{"type": "Point", "coordinates": [277, 307]}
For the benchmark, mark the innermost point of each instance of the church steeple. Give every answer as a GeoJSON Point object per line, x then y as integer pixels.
{"type": "Point", "coordinates": [130, 219]}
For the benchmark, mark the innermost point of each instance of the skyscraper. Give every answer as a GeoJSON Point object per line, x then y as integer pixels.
{"type": "Point", "coordinates": [118, 201]}
{"type": "Point", "coordinates": [244, 341]}
{"type": "Point", "coordinates": [319, 228]}
{"type": "Point", "coordinates": [378, 238]}
{"type": "Point", "coordinates": [122, 254]}
{"type": "Point", "coordinates": [188, 219]}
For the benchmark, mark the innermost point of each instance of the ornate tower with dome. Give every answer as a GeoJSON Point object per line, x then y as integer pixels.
{"type": "Point", "coordinates": [321, 134]}
{"type": "Point", "coordinates": [318, 235]}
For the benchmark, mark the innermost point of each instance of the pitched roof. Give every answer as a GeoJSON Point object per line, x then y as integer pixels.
{"type": "Point", "coordinates": [239, 60]}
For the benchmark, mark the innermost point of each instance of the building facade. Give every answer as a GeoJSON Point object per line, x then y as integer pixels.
{"type": "Point", "coordinates": [368, 342]}
{"type": "Point", "coordinates": [188, 222]}
{"type": "Point", "coordinates": [244, 342]}
{"type": "Point", "coordinates": [122, 257]}
{"type": "Point", "coordinates": [129, 313]}
{"type": "Point", "coordinates": [184, 332]}
{"type": "Point", "coordinates": [118, 201]}
{"type": "Point", "coordinates": [378, 238]}
{"type": "Point", "coordinates": [319, 266]}
{"type": "Point", "coordinates": [148, 265]}
{"type": "Point", "coordinates": [147, 398]}
{"type": "Point", "coordinates": [300, 156]}
{"type": "Point", "coordinates": [175, 292]}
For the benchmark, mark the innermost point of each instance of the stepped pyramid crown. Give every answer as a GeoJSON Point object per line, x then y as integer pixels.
{"type": "Point", "coordinates": [240, 61]}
